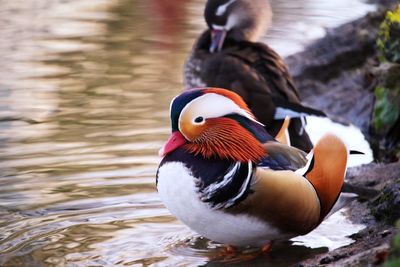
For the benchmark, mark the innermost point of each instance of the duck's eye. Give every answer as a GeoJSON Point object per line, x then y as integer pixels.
{"type": "Point", "coordinates": [199, 120]}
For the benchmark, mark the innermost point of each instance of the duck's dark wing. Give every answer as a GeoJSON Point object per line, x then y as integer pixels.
{"type": "Point", "coordinates": [282, 157]}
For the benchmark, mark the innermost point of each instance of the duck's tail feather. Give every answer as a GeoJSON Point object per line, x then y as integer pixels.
{"type": "Point", "coordinates": [326, 170]}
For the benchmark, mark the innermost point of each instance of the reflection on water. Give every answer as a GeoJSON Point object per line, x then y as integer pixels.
{"type": "Point", "coordinates": [84, 94]}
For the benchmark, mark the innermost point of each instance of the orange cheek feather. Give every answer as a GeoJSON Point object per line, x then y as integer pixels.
{"type": "Point", "coordinates": [192, 132]}
{"type": "Point", "coordinates": [227, 139]}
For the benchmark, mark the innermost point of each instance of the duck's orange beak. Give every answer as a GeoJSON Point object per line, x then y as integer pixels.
{"type": "Point", "coordinates": [174, 141]}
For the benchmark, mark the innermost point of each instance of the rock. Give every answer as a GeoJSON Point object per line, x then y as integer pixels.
{"type": "Point", "coordinates": [335, 68]}
{"type": "Point", "coordinates": [375, 175]}
{"type": "Point", "coordinates": [329, 57]}
{"type": "Point", "coordinates": [371, 248]}
{"type": "Point", "coordinates": [387, 206]}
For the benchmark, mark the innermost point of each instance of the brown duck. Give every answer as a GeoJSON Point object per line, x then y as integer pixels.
{"type": "Point", "coordinates": [227, 55]}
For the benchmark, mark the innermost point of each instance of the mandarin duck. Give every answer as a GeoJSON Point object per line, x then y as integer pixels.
{"type": "Point", "coordinates": [227, 55]}
{"type": "Point", "coordinates": [229, 180]}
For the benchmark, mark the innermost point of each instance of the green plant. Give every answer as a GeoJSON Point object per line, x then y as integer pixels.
{"type": "Point", "coordinates": [394, 255]}
{"type": "Point", "coordinates": [386, 110]}
{"type": "Point", "coordinates": [389, 37]}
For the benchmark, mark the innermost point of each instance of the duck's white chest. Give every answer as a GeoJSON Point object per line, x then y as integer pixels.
{"type": "Point", "coordinates": [177, 190]}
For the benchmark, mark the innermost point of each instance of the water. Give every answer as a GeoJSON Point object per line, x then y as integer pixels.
{"type": "Point", "coordinates": [84, 95]}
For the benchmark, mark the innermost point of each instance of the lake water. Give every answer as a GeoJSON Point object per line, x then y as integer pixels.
{"type": "Point", "coordinates": [85, 88]}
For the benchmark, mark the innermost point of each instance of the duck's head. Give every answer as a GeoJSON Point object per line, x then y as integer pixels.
{"type": "Point", "coordinates": [241, 20]}
{"type": "Point", "coordinates": [215, 123]}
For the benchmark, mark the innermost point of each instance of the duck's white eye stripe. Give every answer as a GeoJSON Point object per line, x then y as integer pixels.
{"type": "Point", "coordinates": [222, 9]}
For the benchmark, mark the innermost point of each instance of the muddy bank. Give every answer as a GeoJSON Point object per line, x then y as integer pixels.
{"type": "Point", "coordinates": [336, 74]}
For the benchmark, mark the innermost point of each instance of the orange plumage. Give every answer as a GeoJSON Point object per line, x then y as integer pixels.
{"type": "Point", "coordinates": [328, 171]}
{"type": "Point", "coordinates": [225, 138]}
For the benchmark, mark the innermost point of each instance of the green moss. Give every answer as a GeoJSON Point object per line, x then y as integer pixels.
{"type": "Point", "coordinates": [386, 208]}
{"type": "Point", "coordinates": [394, 16]}
{"type": "Point", "coordinates": [386, 110]}
{"type": "Point", "coordinates": [394, 254]}
{"type": "Point", "coordinates": [393, 263]}
{"type": "Point", "coordinates": [396, 242]}
{"type": "Point", "coordinates": [387, 93]}
{"type": "Point", "coordinates": [388, 41]}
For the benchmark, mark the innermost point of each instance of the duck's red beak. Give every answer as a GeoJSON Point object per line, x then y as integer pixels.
{"type": "Point", "coordinates": [174, 141]}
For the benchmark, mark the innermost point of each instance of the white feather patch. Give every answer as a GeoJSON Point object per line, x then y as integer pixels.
{"type": "Point", "coordinates": [282, 113]}
{"type": "Point", "coordinates": [303, 171]}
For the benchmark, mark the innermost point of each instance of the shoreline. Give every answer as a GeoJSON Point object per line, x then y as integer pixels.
{"type": "Point", "coordinates": [334, 74]}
